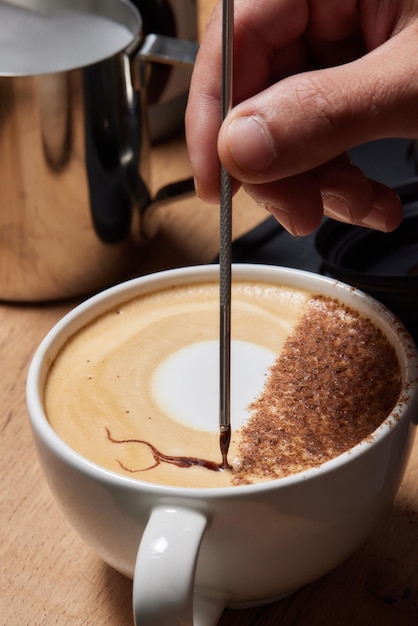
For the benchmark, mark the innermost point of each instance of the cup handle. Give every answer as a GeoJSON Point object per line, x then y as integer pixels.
{"type": "Point", "coordinates": [165, 567]}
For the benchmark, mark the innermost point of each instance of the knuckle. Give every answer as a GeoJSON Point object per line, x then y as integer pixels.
{"type": "Point", "coordinates": [323, 103]}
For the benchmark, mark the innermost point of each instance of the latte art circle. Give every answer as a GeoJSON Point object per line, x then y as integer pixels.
{"type": "Point", "coordinates": [186, 385]}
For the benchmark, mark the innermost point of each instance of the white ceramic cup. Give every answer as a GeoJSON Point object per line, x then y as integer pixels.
{"type": "Point", "coordinates": [191, 551]}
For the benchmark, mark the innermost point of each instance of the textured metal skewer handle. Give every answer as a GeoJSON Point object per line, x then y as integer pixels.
{"type": "Point", "coordinates": [225, 299]}
{"type": "Point", "coordinates": [226, 234]}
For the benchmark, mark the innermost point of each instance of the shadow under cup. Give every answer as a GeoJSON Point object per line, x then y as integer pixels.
{"type": "Point", "coordinates": [193, 551]}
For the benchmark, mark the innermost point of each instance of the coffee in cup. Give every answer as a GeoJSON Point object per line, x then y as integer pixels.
{"type": "Point", "coordinates": [136, 390]}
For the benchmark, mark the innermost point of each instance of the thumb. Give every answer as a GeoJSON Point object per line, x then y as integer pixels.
{"type": "Point", "coordinates": [308, 119]}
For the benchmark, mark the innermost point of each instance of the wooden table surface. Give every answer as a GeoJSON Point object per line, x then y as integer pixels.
{"type": "Point", "coordinates": [48, 576]}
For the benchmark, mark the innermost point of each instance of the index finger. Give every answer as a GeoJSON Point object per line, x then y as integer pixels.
{"type": "Point", "coordinates": [256, 44]}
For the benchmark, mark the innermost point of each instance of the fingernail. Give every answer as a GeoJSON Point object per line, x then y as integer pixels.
{"type": "Point", "coordinates": [196, 186]}
{"type": "Point", "coordinates": [250, 144]}
{"type": "Point", "coordinates": [337, 208]}
{"type": "Point", "coordinates": [375, 219]}
{"type": "Point", "coordinates": [284, 218]}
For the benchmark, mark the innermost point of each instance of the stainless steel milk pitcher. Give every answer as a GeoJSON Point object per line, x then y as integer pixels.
{"type": "Point", "coordinates": [74, 145]}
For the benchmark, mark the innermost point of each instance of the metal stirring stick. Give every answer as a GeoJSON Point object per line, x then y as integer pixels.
{"type": "Point", "coordinates": [226, 242]}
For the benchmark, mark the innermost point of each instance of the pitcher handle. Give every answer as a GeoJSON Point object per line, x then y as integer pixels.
{"type": "Point", "coordinates": [162, 49]}
{"type": "Point", "coordinates": [168, 50]}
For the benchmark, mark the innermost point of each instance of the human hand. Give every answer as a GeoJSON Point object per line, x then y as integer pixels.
{"type": "Point", "coordinates": [312, 79]}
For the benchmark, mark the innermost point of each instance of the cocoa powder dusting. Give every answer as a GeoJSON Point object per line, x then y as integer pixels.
{"type": "Point", "coordinates": [334, 383]}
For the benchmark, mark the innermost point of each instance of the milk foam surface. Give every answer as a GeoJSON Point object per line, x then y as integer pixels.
{"type": "Point", "coordinates": [58, 40]}
{"type": "Point", "coordinates": [189, 378]}
{"type": "Point", "coordinates": [122, 373]}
